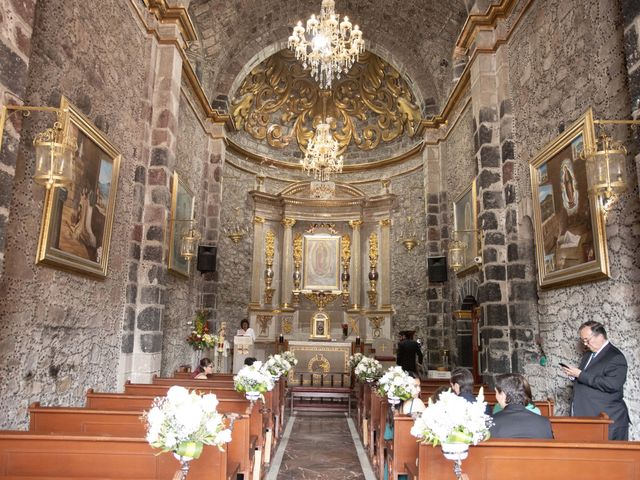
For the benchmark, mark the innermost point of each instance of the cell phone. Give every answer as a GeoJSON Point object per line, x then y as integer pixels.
{"type": "Point", "coordinates": [563, 365]}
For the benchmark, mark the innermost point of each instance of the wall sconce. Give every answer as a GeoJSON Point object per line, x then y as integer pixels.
{"type": "Point", "coordinates": [189, 238]}
{"type": "Point", "coordinates": [53, 147]}
{"type": "Point", "coordinates": [408, 236]}
{"type": "Point", "coordinates": [234, 230]}
{"type": "Point", "coordinates": [458, 250]}
{"type": "Point", "coordinates": [606, 167]}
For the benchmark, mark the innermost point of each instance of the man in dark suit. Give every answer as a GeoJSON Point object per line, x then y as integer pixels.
{"type": "Point", "coordinates": [598, 382]}
{"type": "Point", "coordinates": [515, 420]}
{"type": "Point", "coordinates": [408, 349]}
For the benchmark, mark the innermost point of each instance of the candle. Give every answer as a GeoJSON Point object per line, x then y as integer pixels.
{"type": "Point", "coordinates": [281, 339]}
{"type": "Point", "coordinates": [357, 340]}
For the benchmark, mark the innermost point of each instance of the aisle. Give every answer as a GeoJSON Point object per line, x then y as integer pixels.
{"type": "Point", "coordinates": [318, 447]}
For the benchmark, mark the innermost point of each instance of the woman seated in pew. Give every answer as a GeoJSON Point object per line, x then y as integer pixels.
{"type": "Point", "coordinates": [515, 420]}
{"type": "Point", "coordinates": [530, 405]}
{"type": "Point", "coordinates": [413, 405]}
{"type": "Point", "coordinates": [204, 368]}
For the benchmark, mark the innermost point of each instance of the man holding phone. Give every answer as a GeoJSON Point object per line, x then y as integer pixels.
{"type": "Point", "coordinates": [598, 382]}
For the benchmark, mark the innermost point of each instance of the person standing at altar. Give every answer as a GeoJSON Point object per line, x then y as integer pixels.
{"type": "Point", "coordinates": [598, 382]}
{"type": "Point", "coordinates": [246, 330]}
{"type": "Point", "coordinates": [408, 350]}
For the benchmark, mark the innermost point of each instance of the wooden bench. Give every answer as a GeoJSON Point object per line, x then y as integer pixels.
{"type": "Point", "coordinates": [403, 449]}
{"type": "Point", "coordinates": [31, 456]}
{"type": "Point", "coordinates": [320, 392]}
{"type": "Point", "coordinates": [74, 421]}
{"type": "Point", "coordinates": [535, 460]}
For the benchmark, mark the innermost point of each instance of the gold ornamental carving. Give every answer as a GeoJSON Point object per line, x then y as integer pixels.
{"type": "Point", "coordinates": [321, 299]}
{"type": "Point", "coordinates": [288, 222]}
{"type": "Point", "coordinates": [373, 249]}
{"type": "Point", "coordinates": [319, 364]}
{"type": "Point", "coordinates": [346, 260]}
{"type": "Point", "coordinates": [258, 219]}
{"type": "Point", "coordinates": [376, 325]}
{"type": "Point", "coordinates": [287, 325]}
{"type": "Point", "coordinates": [355, 224]}
{"type": "Point", "coordinates": [279, 102]}
{"type": "Point", "coordinates": [269, 252]}
{"type": "Point", "coordinates": [297, 250]}
{"type": "Point", "coordinates": [346, 249]}
{"type": "Point", "coordinates": [263, 323]}
{"type": "Point", "coordinates": [329, 227]}
{"type": "Point", "coordinates": [372, 293]}
{"type": "Point", "coordinates": [385, 222]}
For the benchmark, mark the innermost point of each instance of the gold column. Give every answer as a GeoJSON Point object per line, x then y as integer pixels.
{"type": "Point", "coordinates": [373, 272]}
{"type": "Point", "coordinates": [346, 260]}
{"type": "Point", "coordinates": [385, 263]}
{"type": "Point", "coordinates": [269, 253]}
{"type": "Point", "coordinates": [356, 260]}
{"type": "Point", "coordinates": [297, 263]}
{"type": "Point", "coordinates": [287, 257]}
{"type": "Point", "coordinates": [258, 229]}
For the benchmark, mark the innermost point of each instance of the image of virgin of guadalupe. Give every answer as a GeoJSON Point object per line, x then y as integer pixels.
{"type": "Point", "coordinates": [569, 187]}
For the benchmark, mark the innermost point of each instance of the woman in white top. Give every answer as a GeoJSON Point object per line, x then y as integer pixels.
{"type": "Point", "coordinates": [246, 330]}
{"type": "Point", "coordinates": [413, 405]}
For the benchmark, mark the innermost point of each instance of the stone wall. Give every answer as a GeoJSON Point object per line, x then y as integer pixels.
{"type": "Point", "coordinates": [631, 23]}
{"type": "Point", "coordinates": [60, 332]}
{"type": "Point", "coordinates": [565, 57]}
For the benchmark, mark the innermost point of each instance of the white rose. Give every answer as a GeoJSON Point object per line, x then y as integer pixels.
{"type": "Point", "coordinates": [177, 394]}
{"type": "Point", "coordinates": [209, 403]}
{"type": "Point", "coordinates": [224, 436]}
{"type": "Point", "coordinates": [155, 416]}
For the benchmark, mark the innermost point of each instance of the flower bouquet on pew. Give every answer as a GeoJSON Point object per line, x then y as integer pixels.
{"type": "Point", "coordinates": [183, 422]}
{"type": "Point", "coordinates": [368, 370]}
{"type": "Point", "coordinates": [277, 366]}
{"type": "Point", "coordinates": [253, 380]}
{"type": "Point", "coordinates": [290, 357]}
{"type": "Point", "coordinates": [397, 385]}
{"type": "Point", "coordinates": [454, 423]}
{"type": "Point", "coordinates": [355, 359]}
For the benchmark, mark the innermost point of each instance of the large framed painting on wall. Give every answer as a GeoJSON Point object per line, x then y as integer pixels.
{"type": "Point", "coordinates": [321, 262]}
{"type": "Point", "coordinates": [571, 243]}
{"type": "Point", "coordinates": [182, 210]}
{"type": "Point", "coordinates": [77, 220]}
{"type": "Point", "coordinates": [465, 221]}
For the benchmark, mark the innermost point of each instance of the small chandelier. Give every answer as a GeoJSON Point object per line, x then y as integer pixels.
{"type": "Point", "coordinates": [408, 237]}
{"type": "Point", "coordinates": [331, 48]}
{"type": "Point", "coordinates": [54, 148]}
{"type": "Point", "coordinates": [234, 231]}
{"type": "Point", "coordinates": [456, 253]}
{"type": "Point", "coordinates": [321, 157]}
{"type": "Point", "coordinates": [606, 173]}
{"type": "Point", "coordinates": [189, 240]}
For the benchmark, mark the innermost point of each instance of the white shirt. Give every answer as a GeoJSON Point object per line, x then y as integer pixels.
{"type": "Point", "coordinates": [248, 333]}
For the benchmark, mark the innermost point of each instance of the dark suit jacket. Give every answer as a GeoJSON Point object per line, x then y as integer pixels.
{"type": "Point", "coordinates": [599, 388]}
{"type": "Point", "coordinates": [406, 356]}
{"type": "Point", "coordinates": [516, 421]}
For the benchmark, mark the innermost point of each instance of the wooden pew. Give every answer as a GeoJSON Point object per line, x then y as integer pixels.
{"type": "Point", "coordinates": [32, 456]}
{"type": "Point", "coordinates": [535, 460]}
{"type": "Point", "coordinates": [75, 421]}
{"type": "Point", "coordinates": [403, 449]}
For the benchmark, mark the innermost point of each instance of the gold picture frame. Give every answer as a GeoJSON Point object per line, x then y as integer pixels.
{"type": "Point", "coordinates": [570, 237]}
{"type": "Point", "coordinates": [77, 220]}
{"type": "Point", "coordinates": [321, 259]}
{"type": "Point", "coordinates": [320, 327]}
{"type": "Point", "coordinates": [182, 210]}
{"type": "Point", "coordinates": [465, 222]}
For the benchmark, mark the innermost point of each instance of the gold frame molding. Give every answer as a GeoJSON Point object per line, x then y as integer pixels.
{"type": "Point", "coordinates": [470, 238]}
{"type": "Point", "coordinates": [334, 240]}
{"type": "Point", "coordinates": [176, 184]}
{"type": "Point", "coordinates": [53, 221]}
{"type": "Point", "coordinates": [562, 154]}
{"type": "Point", "coordinates": [320, 318]}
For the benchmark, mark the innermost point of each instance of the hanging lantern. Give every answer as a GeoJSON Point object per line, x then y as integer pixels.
{"type": "Point", "coordinates": [606, 171]}
{"type": "Point", "coordinates": [456, 253]}
{"type": "Point", "coordinates": [189, 241]}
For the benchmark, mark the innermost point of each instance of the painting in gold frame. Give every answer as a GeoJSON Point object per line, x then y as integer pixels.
{"type": "Point", "coordinates": [182, 210]}
{"type": "Point", "coordinates": [465, 221]}
{"type": "Point", "coordinates": [77, 220]}
{"type": "Point", "coordinates": [571, 243]}
{"type": "Point", "coordinates": [320, 327]}
{"type": "Point", "coordinates": [321, 262]}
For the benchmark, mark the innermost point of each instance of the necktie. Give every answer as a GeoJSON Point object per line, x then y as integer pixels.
{"type": "Point", "coordinates": [593, 355]}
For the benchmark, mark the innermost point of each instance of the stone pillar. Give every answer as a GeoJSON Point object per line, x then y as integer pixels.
{"type": "Point", "coordinates": [286, 281]}
{"type": "Point", "coordinates": [17, 18]}
{"type": "Point", "coordinates": [147, 291]}
{"type": "Point", "coordinates": [631, 22]}
{"type": "Point", "coordinates": [384, 264]}
{"type": "Point", "coordinates": [356, 265]}
{"type": "Point", "coordinates": [257, 271]}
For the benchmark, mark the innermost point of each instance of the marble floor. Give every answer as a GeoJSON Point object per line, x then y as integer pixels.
{"type": "Point", "coordinates": [318, 446]}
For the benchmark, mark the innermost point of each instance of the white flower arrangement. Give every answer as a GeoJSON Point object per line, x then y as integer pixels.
{"type": "Point", "coordinates": [290, 357]}
{"type": "Point", "coordinates": [452, 419]}
{"type": "Point", "coordinates": [355, 359]}
{"type": "Point", "coordinates": [368, 370]}
{"type": "Point", "coordinates": [276, 365]}
{"type": "Point", "coordinates": [183, 421]}
{"type": "Point", "coordinates": [253, 378]}
{"type": "Point", "coordinates": [397, 383]}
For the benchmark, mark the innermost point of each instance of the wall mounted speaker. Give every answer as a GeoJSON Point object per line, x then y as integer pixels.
{"type": "Point", "coordinates": [437, 269]}
{"type": "Point", "coordinates": [207, 258]}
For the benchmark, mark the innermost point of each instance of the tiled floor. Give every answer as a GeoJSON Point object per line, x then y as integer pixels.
{"type": "Point", "coordinates": [318, 447]}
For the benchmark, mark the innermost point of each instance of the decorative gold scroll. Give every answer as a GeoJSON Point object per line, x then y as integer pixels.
{"type": "Point", "coordinates": [278, 102]}
{"type": "Point", "coordinates": [373, 249]}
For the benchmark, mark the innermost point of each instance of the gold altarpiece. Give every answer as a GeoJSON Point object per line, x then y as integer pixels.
{"type": "Point", "coordinates": [321, 268]}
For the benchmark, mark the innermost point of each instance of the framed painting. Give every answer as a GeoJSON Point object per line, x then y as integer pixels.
{"type": "Point", "coordinates": [77, 220]}
{"type": "Point", "coordinates": [321, 259]}
{"type": "Point", "coordinates": [571, 243]}
{"type": "Point", "coordinates": [465, 221]}
{"type": "Point", "coordinates": [320, 327]}
{"type": "Point", "coordinates": [182, 210]}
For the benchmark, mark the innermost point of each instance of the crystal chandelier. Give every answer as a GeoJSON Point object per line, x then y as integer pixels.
{"type": "Point", "coordinates": [321, 157]}
{"type": "Point", "coordinates": [330, 48]}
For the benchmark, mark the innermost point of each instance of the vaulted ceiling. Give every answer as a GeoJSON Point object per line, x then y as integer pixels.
{"type": "Point", "coordinates": [417, 38]}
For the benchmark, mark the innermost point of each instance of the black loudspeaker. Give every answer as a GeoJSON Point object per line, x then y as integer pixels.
{"type": "Point", "coordinates": [437, 269]}
{"type": "Point", "coordinates": [207, 258]}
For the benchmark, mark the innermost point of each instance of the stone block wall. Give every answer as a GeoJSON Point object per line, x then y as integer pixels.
{"type": "Point", "coordinates": [631, 23]}
{"type": "Point", "coordinates": [565, 57]}
{"type": "Point", "coordinates": [60, 332]}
